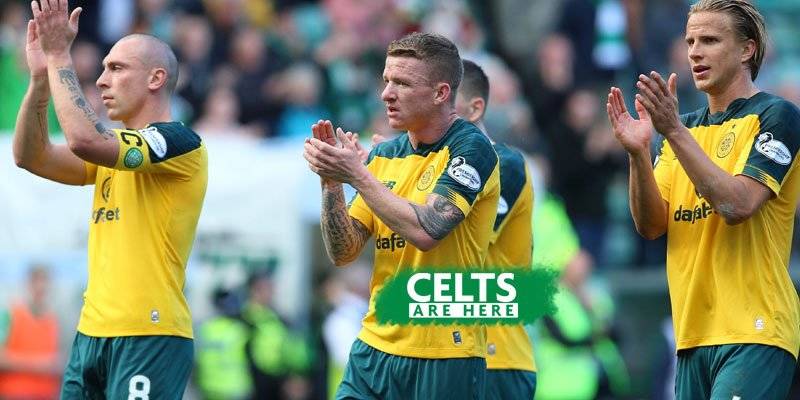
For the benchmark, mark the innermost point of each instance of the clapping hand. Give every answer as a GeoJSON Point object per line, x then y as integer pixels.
{"type": "Point", "coordinates": [633, 134]}
{"type": "Point", "coordinates": [55, 27]}
{"type": "Point", "coordinates": [37, 63]}
{"type": "Point", "coordinates": [339, 162]}
{"type": "Point", "coordinates": [660, 99]}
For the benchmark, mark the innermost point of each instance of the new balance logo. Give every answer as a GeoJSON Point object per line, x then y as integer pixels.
{"type": "Point", "coordinates": [389, 184]}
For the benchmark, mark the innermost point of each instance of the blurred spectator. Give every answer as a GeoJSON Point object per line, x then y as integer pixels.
{"type": "Point", "coordinates": [30, 367]}
{"type": "Point", "coordinates": [193, 44]}
{"type": "Point", "coordinates": [13, 69]}
{"type": "Point", "coordinates": [577, 23]}
{"type": "Point", "coordinates": [299, 88]}
{"type": "Point", "coordinates": [552, 80]}
{"type": "Point", "coordinates": [115, 19]}
{"type": "Point", "coordinates": [579, 356]}
{"type": "Point", "coordinates": [453, 20]}
{"type": "Point", "coordinates": [610, 51]}
{"type": "Point", "coordinates": [87, 61]}
{"type": "Point", "coordinates": [789, 89]}
{"type": "Point", "coordinates": [254, 64]}
{"type": "Point", "coordinates": [153, 17]}
{"type": "Point", "coordinates": [222, 371]}
{"type": "Point", "coordinates": [259, 13]}
{"type": "Point", "coordinates": [372, 22]}
{"type": "Point", "coordinates": [348, 292]}
{"type": "Point", "coordinates": [225, 17]}
{"type": "Point", "coordinates": [352, 55]}
{"type": "Point", "coordinates": [575, 353]}
{"type": "Point", "coordinates": [278, 357]}
{"type": "Point", "coordinates": [664, 387]}
{"type": "Point", "coordinates": [659, 27]}
{"type": "Point", "coordinates": [509, 117]}
{"type": "Point", "coordinates": [221, 116]}
{"type": "Point", "coordinates": [584, 160]}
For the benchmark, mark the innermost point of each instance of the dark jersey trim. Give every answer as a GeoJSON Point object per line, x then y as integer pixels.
{"type": "Point", "coordinates": [179, 139]}
{"type": "Point", "coordinates": [512, 178]}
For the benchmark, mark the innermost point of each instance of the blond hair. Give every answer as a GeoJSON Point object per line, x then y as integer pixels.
{"type": "Point", "coordinates": [748, 23]}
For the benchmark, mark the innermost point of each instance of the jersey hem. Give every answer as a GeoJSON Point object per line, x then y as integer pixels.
{"type": "Point", "coordinates": [138, 332]}
{"type": "Point", "coordinates": [510, 365]}
{"type": "Point", "coordinates": [417, 352]}
{"type": "Point", "coordinates": [689, 344]}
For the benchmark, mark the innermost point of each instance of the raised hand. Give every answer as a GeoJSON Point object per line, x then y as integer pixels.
{"type": "Point", "coordinates": [37, 63]}
{"type": "Point", "coordinates": [55, 27]}
{"type": "Point", "coordinates": [633, 134]}
{"type": "Point", "coordinates": [338, 163]}
{"type": "Point", "coordinates": [660, 99]}
{"type": "Point", "coordinates": [323, 131]}
{"type": "Point", "coordinates": [363, 154]}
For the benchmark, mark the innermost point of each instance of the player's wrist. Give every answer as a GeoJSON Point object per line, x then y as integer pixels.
{"type": "Point", "coordinates": [330, 185]}
{"type": "Point", "coordinates": [58, 58]}
{"type": "Point", "coordinates": [641, 155]}
{"type": "Point", "coordinates": [39, 82]}
{"type": "Point", "coordinates": [673, 131]}
{"type": "Point", "coordinates": [361, 178]}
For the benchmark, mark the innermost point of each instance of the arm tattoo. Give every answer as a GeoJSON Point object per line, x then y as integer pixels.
{"type": "Point", "coordinates": [41, 117]}
{"type": "Point", "coordinates": [343, 235]}
{"type": "Point", "coordinates": [439, 218]}
{"type": "Point", "coordinates": [68, 78]}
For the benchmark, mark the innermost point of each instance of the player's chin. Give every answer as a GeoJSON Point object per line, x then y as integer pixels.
{"type": "Point", "coordinates": [702, 85]}
{"type": "Point", "coordinates": [396, 123]}
{"type": "Point", "coordinates": [114, 114]}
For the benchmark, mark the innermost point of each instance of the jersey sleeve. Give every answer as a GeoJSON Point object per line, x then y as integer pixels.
{"type": "Point", "coordinates": [774, 147]}
{"type": "Point", "coordinates": [514, 178]}
{"type": "Point", "coordinates": [470, 164]}
{"type": "Point", "coordinates": [91, 173]}
{"type": "Point", "coordinates": [358, 208]}
{"type": "Point", "coordinates": [663, 168]}
{"type": "Point", "coordinates": [168, 148]}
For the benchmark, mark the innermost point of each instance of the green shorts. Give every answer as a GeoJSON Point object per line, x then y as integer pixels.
{"type": "Point", "coordinates": [502, 384]}
{"type": "Point", "coordinates": [129, 367]}
{"type": "Point", "coordinates": [734, 372]}
{"type": "Point", "coordinates": [373, 374]}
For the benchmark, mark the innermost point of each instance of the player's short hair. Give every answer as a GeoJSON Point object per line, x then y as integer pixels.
{"type": "Point", "coordinates": [438, 52]}
{"type": "Point", "coordinates": [159, 54]}
{"type": "Point", "coordinates": [748, 23]}
{"type": "Point", "coordinates": [475, 83]}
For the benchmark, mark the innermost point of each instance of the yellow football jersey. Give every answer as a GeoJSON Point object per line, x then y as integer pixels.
{"type": "Point", "coordinates": [463, 167]}
{"type": "Point", "coordinates": [731, 284]}
{"type": "Point", "coordinates": [141, 231]}
{"type": "Point", "coordinates": [508, 346]}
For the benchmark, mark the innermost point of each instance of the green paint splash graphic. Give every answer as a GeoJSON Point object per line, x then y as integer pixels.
{"type": "Point", "coordinates": [535, 291]}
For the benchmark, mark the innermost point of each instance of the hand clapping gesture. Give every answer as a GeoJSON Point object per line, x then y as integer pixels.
{"type": "Point", "coordinates": [340, 162]}
{"type": "Point", "coordinates": [37, 63]}
{"type": "Point", "coordinates": [661, 101]}
{"type": "Point", "coordinates": [633, 134]}
{"type": "Point", "coordinates": [55, 27]}
{"type": "Point", "coordinates": [657, 105]}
